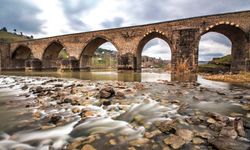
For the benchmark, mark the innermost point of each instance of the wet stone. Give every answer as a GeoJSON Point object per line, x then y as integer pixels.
{"type": "Point", "coordinates": [166, 126]}
{"type": "Point", "coordinates": [174, 141]}
{"type": "Point", "coordinates": [185, 134]}
{"type": "Point", "coordinates": [112, 142]}
{"type": "Point", "coordinates": [25, 87]}
{"type": "Point", "coordinates": [198, 141]}
{"type": "Point", "coordinates": [107, 92]}
{"type": "Point", "coordinates": [76, 110]}
{"type": "Point", "coordinates": [223, 143]}
{"type": "Point", "coordinates": [211, 121]}
{"type": "Point", "coordinates": [106, 102]}
{"type": "Point", "coordinates": [88, 147]}
{"type": "Point", "coordinates": [55, 119]}
{"type": "Point", "coordinates": [228, 132]}
{"type": "Point", "coordinates": [139, 142]}
{"type": "Point", "coordinates": [238, 124]}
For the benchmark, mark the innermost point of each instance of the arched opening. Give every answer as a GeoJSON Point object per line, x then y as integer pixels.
{"type": "Point", "coordinates": [53, 54]}
{"type": "Point", "coordinates": [223, 47]}
{"type": "Point", "coordinates": [99, 54]}
{"type": "Point", "coordinates": [154, 52]}
{"type": "Point", "coordinates": [19, 56]}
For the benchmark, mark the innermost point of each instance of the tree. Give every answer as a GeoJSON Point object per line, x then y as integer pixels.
{"type": "Point", "coordinates": [4, 29]}
{"type": "Point", "coordinates": [14, 31]}
{"type": "Point", "coordinates": [21, 33]}
{"type": "Point", "coordinates": [31, 37]}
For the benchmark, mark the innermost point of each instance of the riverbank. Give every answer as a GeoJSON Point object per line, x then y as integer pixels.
{"type": "Point", "coordinates": [75, 114]}
{"type": "Point", "coordinates": [243, 77]}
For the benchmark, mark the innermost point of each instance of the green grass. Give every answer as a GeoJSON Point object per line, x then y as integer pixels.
{"type": "Point", "coordinates": [7, 37]}
{"type": "Point", "coordinates": [210, 65]}
{"type": "Point", "coordinates": [63, 54]}
{"type": "Point", "coordinates": [226, 60]}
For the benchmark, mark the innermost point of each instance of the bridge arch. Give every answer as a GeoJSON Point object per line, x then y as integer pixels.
{"type": "Point", "coordinates": [89, 50]}
{"type": "Point", "coordinates": [146, 38]}
{"type": "Point", "coordinates": [50, 57]}
{"type": "Point", "coordinates": [20, 55]}
{"type": "Point", "coordinates": [238, 38]}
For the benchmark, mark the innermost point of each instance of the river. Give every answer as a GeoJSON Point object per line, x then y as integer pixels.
{"type": "Point", "coordinates": [38, 110]}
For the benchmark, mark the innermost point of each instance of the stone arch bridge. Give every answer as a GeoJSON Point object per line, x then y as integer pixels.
{"type": "Point", "coordinates": [182, 35]}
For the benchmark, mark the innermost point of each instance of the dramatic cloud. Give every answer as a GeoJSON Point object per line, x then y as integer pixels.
{"type": "Point", "coordinates": [116, 22]}
{"type": "Point", "coordinates": [20, 15]}
{"type": "Point", "coordinates": [73, 11]}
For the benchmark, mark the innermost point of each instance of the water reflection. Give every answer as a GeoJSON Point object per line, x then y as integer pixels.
{"type": "Point", "coordinates": [129, 76]}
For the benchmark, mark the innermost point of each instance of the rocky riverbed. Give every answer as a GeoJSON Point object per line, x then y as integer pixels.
{"type": "Point", "coordinates": [52, 113]}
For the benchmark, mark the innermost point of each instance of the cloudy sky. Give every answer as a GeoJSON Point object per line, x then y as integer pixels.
{"type": "Point", "coordinates": [43, 18]}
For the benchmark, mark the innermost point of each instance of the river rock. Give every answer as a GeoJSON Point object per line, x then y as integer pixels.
{"type": "Point", "coordinates": [120, 95]}
{"type": "Point", "coordinates": [218, 117]}
{"type": "Point", "coordinates": [166, 126]}
{"type": "Point", "coordinates": [185, 134]}
{"type": "Point", "coordinates": [139, 142]}
{"type": "Point", "coordinates": [106, 102]}
{"type": "Point", "coordinates": [88, 147]}
{"type": "Point", "coordinates": [58, 85]}
{"type": "Point", "coordinates": [55, 119]}
{"type": "Point", "coordinates": [228, 132]}
{"type": "Point", "coordinates": [112, 142]}
{"type": "Point", "coordinates": [25, 87]}
{"type": "Point", "coordinates": [139, 86]}
{"type": "Point", "coordinates": [38, 89]}
{"type": "Point", "coordinates": [238, 125]}
{"type": "Point", "coordinates": [107, 92]}
{"type": "Point", "coordinates": [174, 141]}
{"type": "Point", "coordinates": [203, 134]}
{"type": "Point", "coordinates": [211, 121]}
{"type": "Point", "coordinates": [67, 100]}
{"type": "Point", "coordinates": [198, 141]}
{"type": "Point", "coordinates": [87, 113]}
{"type": "Point", "coordinates": [152, 134]}
{"type": "Point", "coordinates": [76, 110]}
{"type": "Point", "coordinates": [37, 115]}
{"type": "Point", "coordinates": [246, 107]}
{"type": "Point", "coordinates": [224, 143]}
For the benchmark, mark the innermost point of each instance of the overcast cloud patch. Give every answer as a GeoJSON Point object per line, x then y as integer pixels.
{"type": "Point", "coordinates": [116, 22]}
{"type": "Point", "coordinates": [20, 15]}
{"type": "Point", "coordinates": [73, 11]}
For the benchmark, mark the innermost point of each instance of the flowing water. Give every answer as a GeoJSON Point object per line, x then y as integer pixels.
{"type": "Point", "coordinates": [117, 122]}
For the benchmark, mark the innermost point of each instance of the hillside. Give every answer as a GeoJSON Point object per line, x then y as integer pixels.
{"type": "Point", "coordinates": [8, 37]}
{"type": "Point", "coordinates": [217, 65]}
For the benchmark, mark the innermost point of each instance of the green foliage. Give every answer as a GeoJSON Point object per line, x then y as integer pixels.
{"type": "Point", "coordinates": [10, 37]}
{"type": "Point", "coordinates": [226, 60]}
{"type": "Point", "coordinates": [4, 29]}
{"type": "Point", "coordinates": [63, 54]}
